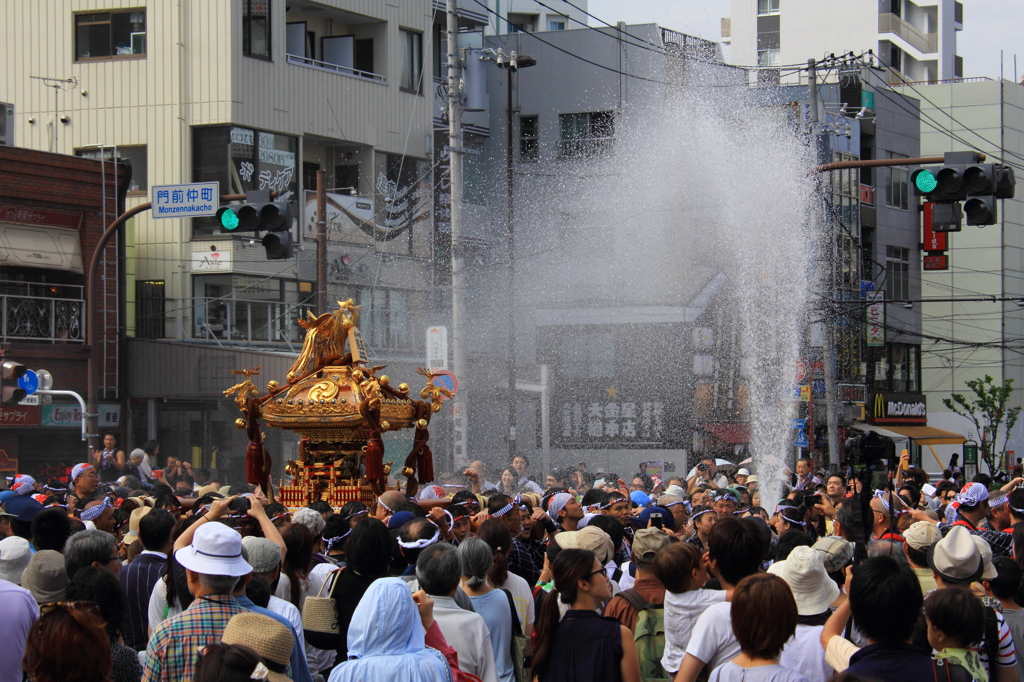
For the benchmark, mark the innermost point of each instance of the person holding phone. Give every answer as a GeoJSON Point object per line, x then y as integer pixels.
{"type": "Point", "coordinates": [110, 460]}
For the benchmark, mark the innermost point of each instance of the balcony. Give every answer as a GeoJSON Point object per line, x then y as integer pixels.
{"type": "Point", "coordinates": [45, 319]}
{"type": "Point", "coordinates": [336, 68]}
{"type": "Point", "coordinates": [322, 37]}
{"type": "Point", "coordinates": [925, 43]}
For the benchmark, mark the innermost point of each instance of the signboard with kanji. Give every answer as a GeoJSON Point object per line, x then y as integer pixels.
{"type": "Point", "coordinates": [186, 201]}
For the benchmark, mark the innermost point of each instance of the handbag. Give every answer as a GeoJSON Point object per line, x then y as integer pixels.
{"type": "Point", "coordinates": [320, 616]}
{"type": "Point", "coordinates": [522, 650]}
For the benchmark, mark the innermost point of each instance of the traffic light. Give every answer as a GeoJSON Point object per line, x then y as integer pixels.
{"type": "Point", "coordinates": [257, 214]}
{"type": "Point", "coordinates": [962, 178]}
{"type": "Point", "coordinates": [11, 373]}
{"type": "Point", "coordinates": [278, 245]}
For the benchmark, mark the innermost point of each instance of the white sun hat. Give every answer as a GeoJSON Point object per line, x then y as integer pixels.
{"type": "Point", "coordinates": [804, 572]}
{"type": "Point", "coordinates": [215, 550]}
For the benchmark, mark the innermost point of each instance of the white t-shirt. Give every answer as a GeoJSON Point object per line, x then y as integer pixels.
{"type": "Point", "coordinates": [804, 653]}
{"type": "Point", "coordinates": [522, 597]}
{"type": "Point", "coordinates": [730, 672]}
{"type": "Point", "coordinates": [713, 641]}
{"type": "Point", "coordinates": [158, 604]}
{"type": "Point", "coordinates": [681, 612]}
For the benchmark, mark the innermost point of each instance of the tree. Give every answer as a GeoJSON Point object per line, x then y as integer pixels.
{"type": "Point", "coordinates": [989, 413]}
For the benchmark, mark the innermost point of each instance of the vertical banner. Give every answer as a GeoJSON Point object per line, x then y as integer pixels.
{"type": "Point", "coordinates": [875, 322]}
{"type": "Point", "coordinates": [437, 348]}
{"type": "Point", "coordinates": [933, 241]}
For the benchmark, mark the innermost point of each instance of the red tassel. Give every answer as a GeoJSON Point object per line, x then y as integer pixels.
{"type": "Point", "coordinates": [426, 463]}
{"type": "Point", "coordinates": [375, 459]}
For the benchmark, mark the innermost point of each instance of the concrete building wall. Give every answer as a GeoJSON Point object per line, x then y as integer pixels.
{"type": "Point", "coordinates": [985, 261]}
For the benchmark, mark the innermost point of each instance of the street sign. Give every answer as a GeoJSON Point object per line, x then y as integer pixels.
{"type": "Point", "coordinates": [447, 380]}
{"type": "Point", "coordinates": [800, 370]}
{"type": "Point", "coordinates": [437, 348]}
{"type": "Point", "coordinates": [805, 394]}
{"type": "Point", "coordinates": [29, 400]}
{"type": "Point", "coordinates": [29, 381]}
{"type": "Point", "coordinates": [798, 424]}
{"type": "Point", "coordinates": [801, 439]}
{"type": "Point", "coordinates": [186, 201]}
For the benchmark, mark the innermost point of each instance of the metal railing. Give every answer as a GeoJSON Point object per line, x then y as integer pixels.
{"type": "Point", "coordinates": [335, 68]}
{"type": "Point", "coordinates": [926, 43]}
{"type": "Point", "coordinates": [40, 318]}
{"type": "Point", "coordinates": [231, 322]}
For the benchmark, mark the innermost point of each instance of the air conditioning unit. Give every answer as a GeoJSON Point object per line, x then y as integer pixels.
{"type": "Point", "coordinates": [6, 124]}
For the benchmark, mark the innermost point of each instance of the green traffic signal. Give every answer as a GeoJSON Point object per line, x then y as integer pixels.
{"type": "Point", "coordinates": [925, 181]}
{"type": "Point", "coordinates": [228, 219]}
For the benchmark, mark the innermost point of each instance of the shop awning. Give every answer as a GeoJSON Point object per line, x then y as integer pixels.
{"type": "Point", "coordinates": [54, 248]}
{"type": "Point", "coordinates": [922, 435]}
{"type": "Point", "coordinates": [928, 435]}
{"type": "Point", "coordinates": [733, 434]}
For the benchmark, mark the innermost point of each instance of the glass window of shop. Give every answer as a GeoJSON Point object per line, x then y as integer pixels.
{"type": "Point", "coordinates": [243, 159]}
{"type": "Point", "coordinates": [896, 368]}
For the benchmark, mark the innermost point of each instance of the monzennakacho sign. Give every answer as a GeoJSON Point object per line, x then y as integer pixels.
{"type": "Point", "coordinates": [897, 408]}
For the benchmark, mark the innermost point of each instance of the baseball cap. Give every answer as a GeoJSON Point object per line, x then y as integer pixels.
{"type": "Point", "coordinates": [644, 518]}
{"type": "Point", "coordinates": [836, 552]}
{"type": "Point", "coordinates": [641, 498]}
{"type": "Point", "coordinates": [956, 557]}
{"type": "Point", "coordinates": [921, 535]}
{"type": "Point", "coordinates": [23, 507]}
{"type": "Point", "coordinates": [264, 554]}
{"type": "Point", "coordinates": [646, 544]}
{"type": "Point", "coordinates": [46, 576]}
{"type": "Point", "coordinates": [592, 538]}
{"type": "Point", "coordinates": [215, 550]}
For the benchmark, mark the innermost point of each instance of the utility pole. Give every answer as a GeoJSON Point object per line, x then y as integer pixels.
{"type": "Point", "coordinates": [455, 150]}
{"type": "Point", "coordinates": [321, 242]}
{"type": "Point", "coordinates": [828, 319]}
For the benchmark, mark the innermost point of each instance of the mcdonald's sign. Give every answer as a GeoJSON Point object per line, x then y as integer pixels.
{"type": "Point", "coordinates": [897, 408]}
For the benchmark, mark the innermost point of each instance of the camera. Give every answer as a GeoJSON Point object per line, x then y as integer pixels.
{"type": "Point", "coordinates": [239, 504]}
{"type": "Point", "coordinates": [813, 499]}
{"type": "Point", "coordinates": [702, 467]}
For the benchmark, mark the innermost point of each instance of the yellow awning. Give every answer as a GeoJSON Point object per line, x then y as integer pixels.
{"type": "Point", "coordinates": [928, 435]}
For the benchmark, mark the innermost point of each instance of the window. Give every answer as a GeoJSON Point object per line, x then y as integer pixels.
{"type": "Point", "coordinates": [556, 25]}
{"type": "Point", "coordinates": [897, 266]}
{"type": "Point", "coordinates": [529, 138]}
{"type": "Point", "coordinates": [767, 7]}
{"type": "Point", "coordinates": [412, 60]}
{"type": "Point", "coordinates": [386, 317]}
{"type": "Point", "coordinates": [256, 28]}
{"type": "Point", "coordinates": [586, 134]}
{"type": "Point", "coordinates": [588, 355]}
{"type": "Point", "coordinates": [897, 192]}
{"type": "Point", "coordinates": [110, 35]}
{"type": "Point", "coordinates": [136, 155]}
{"type": "Point", "coordinates": [768, 58]}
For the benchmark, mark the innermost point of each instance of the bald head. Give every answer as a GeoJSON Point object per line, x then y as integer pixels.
{"type": "Point", "coordinates": [881, 504]}
{"type": "Point", "coordinates": [388, 503]}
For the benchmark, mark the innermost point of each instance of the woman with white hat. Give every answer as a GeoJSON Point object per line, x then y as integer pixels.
{"type": "Point", "coordinates": [814, 591]}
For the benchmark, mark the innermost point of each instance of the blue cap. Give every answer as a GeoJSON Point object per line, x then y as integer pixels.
{"type": "Point", "coordinates": [24, 507]}
{"type": "Point", "coordinates": [400, 519]}
{"type": "Point", "coordinates": [641, 498]}
{"type": "Point", "coordinates": [644, 518]}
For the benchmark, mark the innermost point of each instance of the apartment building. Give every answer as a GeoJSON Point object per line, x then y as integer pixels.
{"type": "Point", "coordinates": [915, 38]}
{"type": "Point", "coordinates": [253, 94]}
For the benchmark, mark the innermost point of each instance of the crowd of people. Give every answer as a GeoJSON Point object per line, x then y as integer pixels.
{"type": "Point", "coordinates": [128, 573]}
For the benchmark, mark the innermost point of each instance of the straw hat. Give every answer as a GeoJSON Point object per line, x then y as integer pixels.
{"type": "Point", "coordinates": [267, 637]}
{"type": "Point", "coordinates": [133, 523]}
{"type": "Point", "coordinates": [46, 578]}
{"type": "Point", "coordinates": [804, 572]}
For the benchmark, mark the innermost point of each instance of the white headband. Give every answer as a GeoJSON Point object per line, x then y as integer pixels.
{"type": "Point", "coordinates": [420, 544]}
{"type": "Point", "coordinates": [556, 504]}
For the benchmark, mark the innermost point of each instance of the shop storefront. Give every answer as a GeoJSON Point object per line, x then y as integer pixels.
{"type": "Point", "coordinates": [902, 419]}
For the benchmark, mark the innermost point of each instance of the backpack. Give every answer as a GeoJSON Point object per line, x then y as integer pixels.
{"type": "Point", "coordinates": [649, 635]}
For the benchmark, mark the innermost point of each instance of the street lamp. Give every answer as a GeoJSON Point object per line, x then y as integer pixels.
{"type": "Point", "coordinates": [512, 63]}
